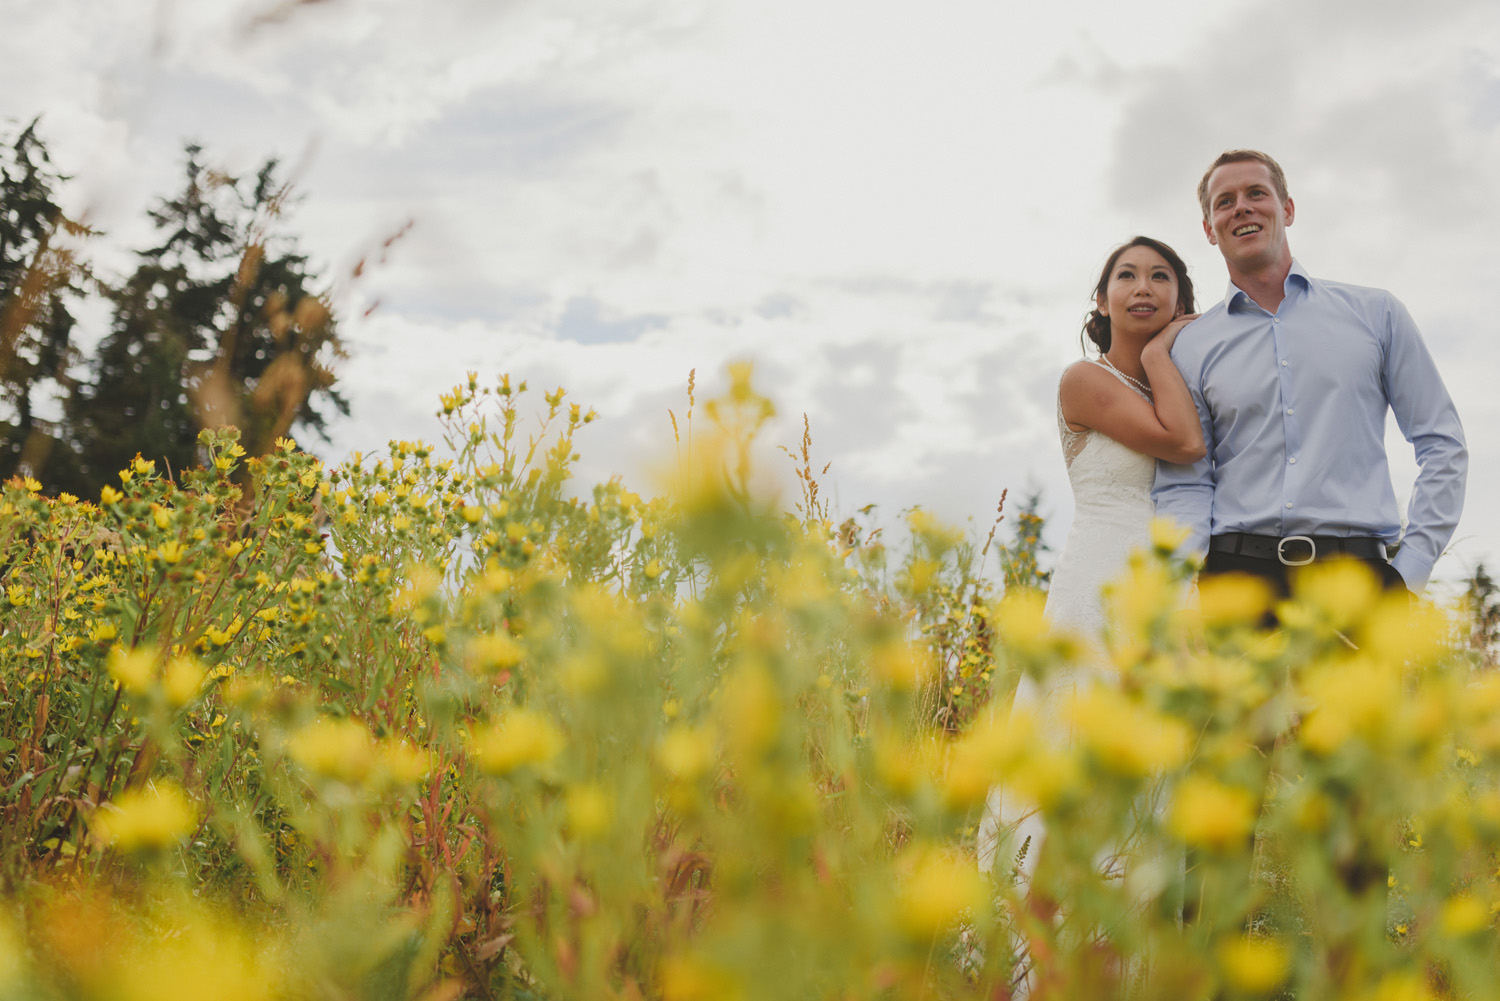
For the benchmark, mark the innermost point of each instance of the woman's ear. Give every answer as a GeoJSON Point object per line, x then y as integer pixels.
{"type": "Point", "coordinates": [1102, 303]}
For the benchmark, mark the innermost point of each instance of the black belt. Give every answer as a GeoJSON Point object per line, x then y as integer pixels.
{"type": "Point", "coordinates": [1295, 550]}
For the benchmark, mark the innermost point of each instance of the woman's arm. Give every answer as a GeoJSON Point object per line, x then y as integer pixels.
{"type": "Point", "coordinates": [1171, 430]}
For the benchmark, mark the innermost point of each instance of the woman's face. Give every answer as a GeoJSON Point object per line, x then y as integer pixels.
{"type": "Point", "coordinates": [1141, 297]}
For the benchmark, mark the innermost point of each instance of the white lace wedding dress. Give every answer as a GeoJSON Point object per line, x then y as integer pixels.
{"type": "Point", "coordinates": [1111, 518]}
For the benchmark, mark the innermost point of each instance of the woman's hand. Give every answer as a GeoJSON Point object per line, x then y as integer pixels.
{"type": "Point", "coordinates": [1168, 335]}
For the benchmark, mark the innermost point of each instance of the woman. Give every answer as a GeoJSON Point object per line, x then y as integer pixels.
{"type": "Point", "coordinates": [1117, 415]}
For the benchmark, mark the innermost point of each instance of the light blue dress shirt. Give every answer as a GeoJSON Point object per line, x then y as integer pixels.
{"type": "Point", "coordinates": [1293, 407]}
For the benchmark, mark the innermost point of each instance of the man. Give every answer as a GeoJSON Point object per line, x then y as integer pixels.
{"type": "Point", "coordinates": [1292, 377]}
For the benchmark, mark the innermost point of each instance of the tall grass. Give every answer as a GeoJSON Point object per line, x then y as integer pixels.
{"type": "Point", "coordinates": [438, 723]}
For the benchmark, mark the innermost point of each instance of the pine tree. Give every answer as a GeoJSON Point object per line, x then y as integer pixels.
{"type": "Point", "coordinates": [219, 324]}
{"type": "Point", "coordinates": [40, 276]}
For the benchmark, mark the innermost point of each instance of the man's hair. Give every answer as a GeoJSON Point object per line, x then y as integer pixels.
{"type": "Point", "coordinates": [1278, 179]}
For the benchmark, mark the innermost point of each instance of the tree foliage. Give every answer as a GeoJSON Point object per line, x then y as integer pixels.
{"type": "Point", "coordinates": [40, 277]}
{"type": "Point", "coordinates": [222, 323]}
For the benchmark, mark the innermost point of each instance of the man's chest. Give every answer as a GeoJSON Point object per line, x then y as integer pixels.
{"type": "Point", "coordinates": [1275, 366]}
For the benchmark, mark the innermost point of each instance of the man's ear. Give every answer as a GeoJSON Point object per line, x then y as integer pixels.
{"type": "Point", "coordinates": [1291, 211]}
{"type": "Point", "coordinates": [1208, 231]}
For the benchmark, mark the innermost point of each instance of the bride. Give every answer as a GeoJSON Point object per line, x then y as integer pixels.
{"type": "Point", "coordinates": [1117, 414]}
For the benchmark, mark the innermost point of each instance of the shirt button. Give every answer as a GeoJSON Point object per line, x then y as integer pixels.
{"type": "Point", "coordinates": [1283, 363]}
{"type": "Point", "coordinates": [1293, 460]}
{"type": "Point", "coordinates": [1288, 504]}
{"type": "Point", "coordinates": [1275, 319]}
{"type": "Point", "coordinates": [1290, 411]}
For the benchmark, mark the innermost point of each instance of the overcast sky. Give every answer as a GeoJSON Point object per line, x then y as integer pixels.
{"type": "Point", "coordinates": [896, 210]}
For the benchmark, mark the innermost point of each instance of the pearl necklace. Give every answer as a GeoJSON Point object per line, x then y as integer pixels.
{"type": "Point", "coordinates": [1138, 384]}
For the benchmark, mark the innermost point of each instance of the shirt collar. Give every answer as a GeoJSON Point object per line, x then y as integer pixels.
{"type": "Point", "coordinates": [1296, 278]}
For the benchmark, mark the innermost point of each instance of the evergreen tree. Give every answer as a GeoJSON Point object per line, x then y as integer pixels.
{"type": "Point", "coordinates": [219, 324]}
{"type": "Point", "coordinates": [39, 277]}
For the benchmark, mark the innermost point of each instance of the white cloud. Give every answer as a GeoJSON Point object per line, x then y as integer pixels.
{"type": "Point", "coordinates": [896, 211]}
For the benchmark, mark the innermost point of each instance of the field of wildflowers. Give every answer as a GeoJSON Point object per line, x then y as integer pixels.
{"type": "Point", "coordinates": [439, 723]}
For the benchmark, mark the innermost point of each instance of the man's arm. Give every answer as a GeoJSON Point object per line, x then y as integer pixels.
{"type": "Point", "coordinates": [1426, 415]}
{"type": "Point", "coordinates": [1185, 493]}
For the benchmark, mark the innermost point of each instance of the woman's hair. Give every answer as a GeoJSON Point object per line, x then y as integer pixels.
{"type": "Point", "coordinates": [1096, 324]}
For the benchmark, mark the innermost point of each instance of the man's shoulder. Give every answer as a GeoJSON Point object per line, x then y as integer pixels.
{"type": "Point", "coordinates": [1376, 309]}
{"type": "Point", "coordinates": [1355, 295]}
{"type": "Point", "coordinates": [1196, 336]}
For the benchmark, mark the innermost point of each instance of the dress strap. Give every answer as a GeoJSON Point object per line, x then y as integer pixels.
{"type": "Point", "coordinates": [1133, 384]}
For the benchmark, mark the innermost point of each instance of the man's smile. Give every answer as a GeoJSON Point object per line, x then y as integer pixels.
{"type": "Point", "coordinates": [1247, 229]}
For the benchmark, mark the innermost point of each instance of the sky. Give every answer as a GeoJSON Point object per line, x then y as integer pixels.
{"type": "Point", "coordinates": [896, 211]}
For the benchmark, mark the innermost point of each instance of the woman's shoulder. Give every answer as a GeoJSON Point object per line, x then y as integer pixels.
{"type": "Point", "coordinates": [1083, 368]}
{"type": "Point", "coordinates": [1085, 375]}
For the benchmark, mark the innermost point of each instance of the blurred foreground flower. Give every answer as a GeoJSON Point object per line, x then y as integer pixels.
{"type": "Point", "coordinates": [146, 819]}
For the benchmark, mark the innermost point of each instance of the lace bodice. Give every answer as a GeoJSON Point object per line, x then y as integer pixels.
{"type": "Point", "coordinates": [1112, 515]}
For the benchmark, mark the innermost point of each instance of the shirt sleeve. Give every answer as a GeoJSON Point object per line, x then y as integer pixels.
{"type": "Point", "coordinates": [1184, 494]}
{"type": "Point", "coordinates": [1427, 417]}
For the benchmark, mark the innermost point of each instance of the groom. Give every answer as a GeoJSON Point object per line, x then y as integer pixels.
{"type": "Point", "coordinates": [1292, 376]}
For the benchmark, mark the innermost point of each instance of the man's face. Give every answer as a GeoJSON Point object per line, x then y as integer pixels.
{"type": "Point", "coordinates": [1247, 220]}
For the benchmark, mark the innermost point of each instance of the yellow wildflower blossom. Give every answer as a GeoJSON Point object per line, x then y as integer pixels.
{"type": "Point", "coordinates": [523, 738]}
{"type": "Point", "coordinates": [146, 819]}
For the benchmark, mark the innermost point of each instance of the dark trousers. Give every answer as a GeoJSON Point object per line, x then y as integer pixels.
{"type": "Point", "coordinates": [1279, 574]}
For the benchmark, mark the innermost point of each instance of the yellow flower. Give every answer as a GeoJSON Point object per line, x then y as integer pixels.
{"type": "Point", "coordinates": [685, 753]}
{"type": "Point", "coordinates": [181, 680]}
{"type": "Point", "coordinates": [1167, 535]}
{"type": "Point", "coordinates": [143, 467]}
{"type": "Point", "coordinates": [335, 748]}
{"type": "Point", "coordinates": [402, 763]}
{"type": "Point", "coordinates": [1209, 815]}
{"type": "Point", "coordinates": [1126, 738]}
{"type": "Point", "coordinates": [146, 819]}
{"type": "Point", "coordinates": [1139, 598]}
{"type": "Point", "coordinates": [1233, 599]}
{"type": "Point", "coordinates": [689, 978]}
{"type": "Point", "coordinates": [170, 552]}
{"type": "Point", "coordinates": [1026, 632]}
{"type": "Point", "coordinates": [1402, 631]}
{"type": "Point", "coordinates": [133, 669]}
{"type": "Point", "coordinates": [492, 652]}
{"type": "Point", "coordinates": [903, 666]}
{"type": "Point", "coordinates": [1408, 986]}
{"type": "Point", "coordinates": [524, 737]}
{"type": "Point", "coordinates": [109, 495]}
{"type": "Point", "coordinates": [751, 707]}
{"type": "Point", "coordinates": [939, 890]}
{"type": "Point", "coordinates": [1342, 589]}
{"type": "Point", "coordinates": [1253, 965]}
{"type": "Point", "coordinates": [1463, 915]}
{"type": "Point", "coordinates": [1356, 696]}
{"type": "Point", "coordinates": [590, 810]}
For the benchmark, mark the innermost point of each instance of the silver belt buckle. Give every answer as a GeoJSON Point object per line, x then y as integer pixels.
{"type": "Point", "coordinates": [1312, 550]}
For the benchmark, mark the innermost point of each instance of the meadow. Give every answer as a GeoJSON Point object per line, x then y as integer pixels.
{"type": "Point", "coordinates": [442, 722]}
